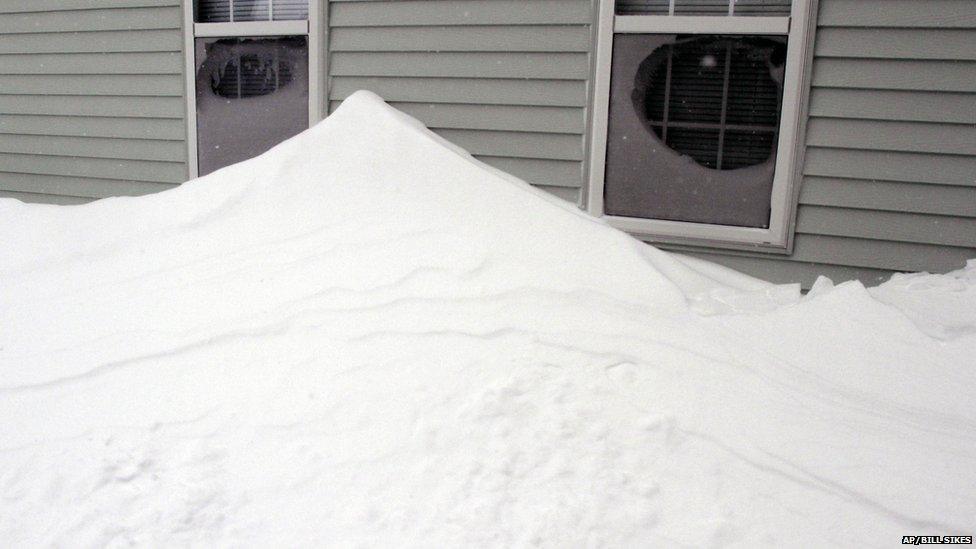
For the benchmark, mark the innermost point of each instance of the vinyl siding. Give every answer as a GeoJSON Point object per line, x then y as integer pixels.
{"type": "Point", "coordinates": [890, 169]}
{"type": "Point", "coordinates": [505, 79]}
{"type": "Point", "coordinates": [91, 105]}
{"type": "Point", "coordinates": [91, 99]}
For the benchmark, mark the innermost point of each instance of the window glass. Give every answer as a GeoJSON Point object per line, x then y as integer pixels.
{"type": "Point", "coordinates": [779, 8]}
{"type": "Point", "coordinates": [252, 93]}
{"type": "Point", "coordinates": [705, 7]}
{"type": "Point", "coordinates": [693, 127]}
{"type": "Point", "coordinates": [226, 11]}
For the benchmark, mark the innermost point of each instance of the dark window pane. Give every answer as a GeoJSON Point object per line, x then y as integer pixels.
{"type": "Point", "coordinates": [252, 93]}
{"type": "Point", "coordinates": [252, 10]}
{"type": "Point", "coordinates": [213, 11]}
{"type": "Point", "coordinates": [698, 143]}
{"type": "Point", "coordinates": [693, 127]}
{"type": "Point", "coordinates": [223, 11]}
{"type": "Point", "coordinates": [741, 149]}
{"type": "Point", "coordinates": [701, 7]}
{"type": "Point", "coordinates": [697, 80]}
{"type": "Point", "coordinates": [290, 10]}
{"type": "Point", "coordinates": [643, 7]}
{"type": "Point", "coordinates": [779, 8]}
{"type": "Point", "coordinates": [704, 7]}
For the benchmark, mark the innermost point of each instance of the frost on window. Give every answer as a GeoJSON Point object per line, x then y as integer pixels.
{"type": "Point", "coordinates": [693, 127]}
{"type": "Point", "coordinates": [252, 93]}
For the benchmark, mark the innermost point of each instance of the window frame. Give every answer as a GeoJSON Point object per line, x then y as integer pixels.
{"type": "Point", "coordinates": [799, 29]}
{"type": "Point", "coordinates": [312, 29]}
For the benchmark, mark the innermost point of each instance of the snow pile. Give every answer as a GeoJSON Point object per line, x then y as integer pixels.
{"type": "Point", "coordinates": [367, 338]}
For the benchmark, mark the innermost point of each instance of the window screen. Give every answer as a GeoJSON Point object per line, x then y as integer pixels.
{"type": "Point", "coordinates": [692, 127]}
{"type": "Point", "coordinates": [226, 11]}
{"type": "Point", "coordinates": [252, 93]}
{"type": "Point", "coordinates": [704, 7]}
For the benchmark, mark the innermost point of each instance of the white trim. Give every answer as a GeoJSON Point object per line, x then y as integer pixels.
{"type": "Point", "coordinates": [791, 119]}
{"type": "Point", "coordinates": [692, 24]}
{"type": "Point", "coordinates": [250, 28]}
{"type": "Point", "coordinates": [316, 28]}
{"type": "Point", "coordinates": [696, 231]}
{"type": "Point", "coordinates": [600, 103]}
{"type": "Point", "coordinates": [775, 238]}
{"type": "Point", "coordinates": [313, 29]}
{"type": "Point", "coordinates": [190, 79]}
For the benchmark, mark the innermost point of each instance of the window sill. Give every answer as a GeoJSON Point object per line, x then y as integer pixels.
{"type": "Point", "coordinates": [701, 235]}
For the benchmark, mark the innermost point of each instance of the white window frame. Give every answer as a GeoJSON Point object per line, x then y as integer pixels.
{"type": "Point", "coordinates": [311, 29]}
{"type": "Point", "coordinates": [798, 28]}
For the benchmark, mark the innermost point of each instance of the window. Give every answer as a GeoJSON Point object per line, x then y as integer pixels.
{"type": "Point", "coordinates": [255, 77]}
{"type": "Point", "coordinates": [695, 118]}
{"type": "Point", "coordinates": [230, 11]}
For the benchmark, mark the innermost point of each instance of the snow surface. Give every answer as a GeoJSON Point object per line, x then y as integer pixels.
{"type": "Point", "coordinates": [365, 337]}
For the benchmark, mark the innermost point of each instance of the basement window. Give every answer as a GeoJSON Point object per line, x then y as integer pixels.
{"type": "Point", "coordinates": [696, 113]}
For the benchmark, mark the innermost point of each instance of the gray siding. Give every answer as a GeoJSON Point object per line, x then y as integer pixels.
{"type": "Point", "coordinates": [890, 170]}
{"type": "Point", "coordinates": [505, 79]}
{"type": "Point", "coordinates": [91, 99]}
{"type": "Point", "coordinates": [91, 105]}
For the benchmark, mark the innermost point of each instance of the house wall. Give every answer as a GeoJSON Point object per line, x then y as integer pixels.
{"type": "Point", "coordinates": [505, 79]}
{"type": "Point", "coordinates": [890, 172]}
{"type": "Point", "coordinates": [91, 105]}
{"type": "Point", "coordinates": [91, 99]}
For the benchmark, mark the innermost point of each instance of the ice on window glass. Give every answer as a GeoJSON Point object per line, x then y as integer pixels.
{"type": "Point", "coordinates": [252, 93]}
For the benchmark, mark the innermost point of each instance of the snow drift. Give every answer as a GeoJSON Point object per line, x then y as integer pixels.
{"type": "Point", "coordinates": [365, 337]}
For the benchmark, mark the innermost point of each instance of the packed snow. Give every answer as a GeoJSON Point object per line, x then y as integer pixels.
{"type": "Point", "coordinates": [365, 337]}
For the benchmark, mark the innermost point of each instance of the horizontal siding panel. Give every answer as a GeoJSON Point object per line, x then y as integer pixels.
{"type": "Point", "coordinates": [75, 186]}
{"type": "Point", "coordinates": [951, 76]}
{"type": "Point", "coordinates": [901, 227]}
{"type": "Point", "coordinates": [94, 147]}
{"type": "Point", "coordinates": [109, 84]}
{"type": "Point", "coordinates": [137, 107]}
{"type": "Point", "coordinates": [889, 196]}
{"type": "Point", "coordinates": [956, 108]}
{"type": "Point", "coordinates": [23, 6]}
{"type": "Point", "coordinates": [552, 173]}
{"type": "Point", "coordinates": [39, 198]}
{"type": "Point", "coordinates": [891, 166]}
{"type": "Point", "coordinates": [556, 66]}
{"type": "Point", "coordinates": [892, 136]}
{"type": "Point", "coordinates": [92, 20]}
{"type": "Point", "coordinates": [944, 44]}
{"type": "Point", "coordinates": [477, 38]}
{"type": "Point", "coordinates": [880, 254]}
{"type": "Point", "coordinates": [81, 126]}
{"type": "Point", "coordinates": [91, 98]}
{"type": "Point", "coordinates": [504, 79]}
{"type": "Point", "coordinates": [100, 168]}
{"type": "Point", "coordinates": [515, 118]}
{"type": "Point", "coordinates": [92, 42]}
{"type": "Point", "coordinates": [497, 117]}
{"type": "Point", "coordinates": [817, 253]}
{"type": "Point", "coordinates": [517, 144]}
{"type": "Point", "coordinates": [784, 271]}
{"type": "Point", "coordinates": [92, 63]}
{"type": "Point", "coordinates": [564, 193]}
{"type": "Point", "coordinates": [459, 12]}
{"type": "Point", "coordinates": [551, 93]}
{"type": "Point", "coordinates": [898, 13]}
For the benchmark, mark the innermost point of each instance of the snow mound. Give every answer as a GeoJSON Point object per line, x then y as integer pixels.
{"type": "Point", "coordinates": [367, 337]}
